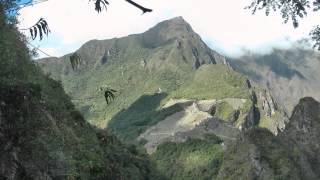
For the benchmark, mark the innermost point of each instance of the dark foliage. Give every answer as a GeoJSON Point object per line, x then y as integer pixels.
{"type": "Point", "coordinates": [99, 4]}
{"type": "Point", "coordinates": [8, 5]}
{"type": "Point", "coordinates": [290, 9]}
{"type": "Point", "coordinates": [193, 159]}
{"type": "Point", "coordinates": [315, 36]}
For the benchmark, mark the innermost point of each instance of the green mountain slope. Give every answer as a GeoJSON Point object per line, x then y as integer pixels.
{"type": "Point", "coordinates": [193, 159]}
{"type": "Point", "coordinates": [167, 62]}
{"type": "Point", "coordinates": [163, 57]}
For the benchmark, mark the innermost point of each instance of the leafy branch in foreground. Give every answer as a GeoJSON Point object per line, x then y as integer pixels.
{"type": "Point", "coordinates": [39, 29]}
{"type": "Point", "coordinates": [290, 9]}
{"type": "Point", "coordinates": [99, 4]}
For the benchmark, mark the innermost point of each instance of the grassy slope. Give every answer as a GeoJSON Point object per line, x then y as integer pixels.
{"type": "Point", "coordinates": [208, 82]}
{"type": "Point", "coordinates": [214, 82]}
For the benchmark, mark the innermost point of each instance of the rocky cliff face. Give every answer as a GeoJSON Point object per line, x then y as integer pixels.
{"type": "Point", "coordinates": [302, 134]}
{"type": "Point", "coordinates": [264, 111]}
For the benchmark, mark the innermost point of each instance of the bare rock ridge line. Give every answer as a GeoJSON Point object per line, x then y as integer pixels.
{"type": "Point", "coordinates": [97, 52]}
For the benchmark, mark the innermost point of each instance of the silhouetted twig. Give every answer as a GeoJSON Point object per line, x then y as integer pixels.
{"type": "Point", "coordinates": [143, 9]}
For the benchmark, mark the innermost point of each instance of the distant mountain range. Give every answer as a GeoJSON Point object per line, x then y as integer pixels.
{"type": "Point", "coordinates": [289, 74]}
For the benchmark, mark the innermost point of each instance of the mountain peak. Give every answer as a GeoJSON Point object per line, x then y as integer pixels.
{"type": "Point", "coordinates": [305, 117]}
{"type": "Point", "coordinates": [175, 38]}
{"type": "Point", "coordinates": [183, 40]}
{"type": "Point", "coordinates": [177, 19]}
{"type": "Point", "coordinates": [173, 28]}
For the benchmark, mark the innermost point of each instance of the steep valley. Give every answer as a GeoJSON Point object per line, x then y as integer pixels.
{"type": "Point", "coordinates": [181, 111]}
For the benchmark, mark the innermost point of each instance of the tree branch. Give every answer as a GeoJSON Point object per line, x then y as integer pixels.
{"type": "Point", "coordinates": [143, 9]}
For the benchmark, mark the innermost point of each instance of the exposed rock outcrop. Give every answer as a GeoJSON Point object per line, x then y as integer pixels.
{"type": "Point", "coordinates": [252, 119]}
{"type": "Point", "coordinates": [268, 104]}
{"type": "Point", "coordinates": [302, 134]}
{"type": "Point", "coordinates": [226, 62]}
{"type": "Point", "coordinates": [248, 84]}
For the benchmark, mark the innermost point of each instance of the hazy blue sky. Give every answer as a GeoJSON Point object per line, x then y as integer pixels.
{"type": "Point", "coordinates": [224, 24]}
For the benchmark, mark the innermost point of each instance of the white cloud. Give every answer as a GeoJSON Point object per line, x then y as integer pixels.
{"type": "Point", "coordinates": [224, 24]}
